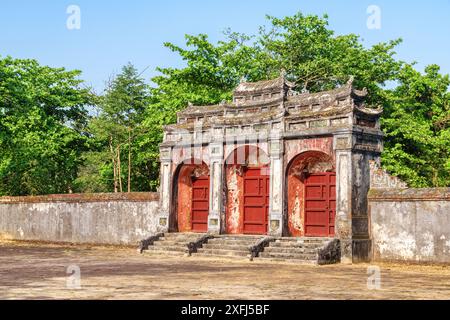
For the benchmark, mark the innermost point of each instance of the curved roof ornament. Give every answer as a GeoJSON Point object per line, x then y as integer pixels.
{"type": "Point", "coordinates": [355, 92]}
{"type": "Point", "coordinates": [351, 80]}
{"type": "Point", "coordinates": [305, 90]}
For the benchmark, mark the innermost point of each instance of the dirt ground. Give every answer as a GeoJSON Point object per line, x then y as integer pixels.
{"type": "Point", "coordinates": [39, 271]}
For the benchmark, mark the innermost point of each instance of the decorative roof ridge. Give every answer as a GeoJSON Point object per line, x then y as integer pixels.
{"type": "Point", "coordinates": [211, 108]}
{"type": "Point", "coordinates": [370, 111]}
{"type": "Point", "coordinates": [270, 84]}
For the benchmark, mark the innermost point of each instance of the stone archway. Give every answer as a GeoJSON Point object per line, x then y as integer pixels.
{"type": "Point", "coordinates": [311, 195]}
{"type": "Point", "coordinates": [247, 173]}
{"type": "Point", "coordinates": [191, 197]}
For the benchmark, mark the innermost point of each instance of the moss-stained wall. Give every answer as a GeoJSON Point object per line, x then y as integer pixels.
{"type": "Point", "coordinates": [90, 218]}
{"type": "Point", "coordinates": [410, 224]}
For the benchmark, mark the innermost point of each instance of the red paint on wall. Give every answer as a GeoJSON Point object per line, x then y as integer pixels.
{"type": "Point", "coordinates": [256, 201]}
{"type": "Point", "coordinates": [297, 172]}
{"type": "Point", "coordinates": [320, 204]}
{"type": "Point", "coordinates": [236, 167]}
{"type": "Point", "coordinates": [200, 203]}
{"type": "Point", "coordinates": [295, 147]}
{"type": "Point", "coordinates": [235, 203]}
{"type": "Point", "coordinates": [185, 194]}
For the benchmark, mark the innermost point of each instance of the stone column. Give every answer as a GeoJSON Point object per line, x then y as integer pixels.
{"type": "Point", "coordinates": [165, 189]}
{"type": "Point", "coordinates": [216, 187]}
{"type": "Point", "coordinates": [344, 179]}
{"type": "Point", "coordinates": [276, 187]}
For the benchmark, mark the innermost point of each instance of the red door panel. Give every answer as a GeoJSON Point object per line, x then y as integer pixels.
{"type": "Point", "coordinates": [256, 200]}
{"type": "Point", "coordinates": [200, 204]}
{"type": "Point", "coordinates": [320, 204]}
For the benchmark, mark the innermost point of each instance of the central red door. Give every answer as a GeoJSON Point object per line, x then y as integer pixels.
{"type": "Point", "coordinates": [256, 200]}
{"type": "Point", "coordinates": [200, 204]}
{"type": "Point", "coordinates": [320, 204]}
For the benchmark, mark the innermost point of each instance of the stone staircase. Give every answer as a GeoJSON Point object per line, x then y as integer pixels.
{"type": "Point", "coordinates": [228, 246]}
{"type": "Point", "coordinates": [173, 243]}
{"type": "Point", "coordinates": [258, 248]}
{"type": "Point", "coordinates": [301, 250]}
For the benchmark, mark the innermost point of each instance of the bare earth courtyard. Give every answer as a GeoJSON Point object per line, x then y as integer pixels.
{"type": "Point", "coordinates": [38, 271]}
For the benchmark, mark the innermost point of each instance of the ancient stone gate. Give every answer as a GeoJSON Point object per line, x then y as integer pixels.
{"type": "Point", "coordinates": [273, 162]}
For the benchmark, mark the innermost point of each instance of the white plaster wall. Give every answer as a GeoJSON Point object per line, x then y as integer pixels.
{"type": "Point", "coordinates": [106, 222]}
{"type": "Point", "coordinates": [417, 231]}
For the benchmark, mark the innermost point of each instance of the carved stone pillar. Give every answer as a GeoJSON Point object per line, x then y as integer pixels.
{"type": "Point", "coordinates": [165, 189]}
{"type": "Point", "coordinates": [344, 180]}
{"type": "Point", "coordinates": [276, 187]}
{"type": "Point", "coordinates": [216, 187]}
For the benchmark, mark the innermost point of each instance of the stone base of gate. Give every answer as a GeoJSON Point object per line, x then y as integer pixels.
{"type": "Point", "coordinates": [361, 250]}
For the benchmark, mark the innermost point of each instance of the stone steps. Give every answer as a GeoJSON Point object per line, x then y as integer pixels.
{"type": "Point", "coordinates": [222, 252]}
{"type": "Point", "coordinates": [243, 242]}
{"type": "Point", "coordinates": [288, 255]}
{"type": "Point", "coordinates": [301, 250]}
{"type": "Point", "coordinates": [181, 248]}
{"type": "Point", "coordinates": [287, 260]}
{"type": "Point", "coordinates": [173, 243]}
{"type": "Point", "coordinates": [228, 246]}
{"type": "Point", "coordinates": [215, 245]}
{"type": "Point", "coordinates": [294, 245]}
{"type": "Point", "coordinates": [180, 237]}
{"type": "Point", "coordinates": [152, 251]}
{"type": "Point", "coordinates": [297, 250]}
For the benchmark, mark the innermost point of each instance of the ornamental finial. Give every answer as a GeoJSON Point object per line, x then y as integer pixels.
{"type": "Point", "coordinates": [351, 80]}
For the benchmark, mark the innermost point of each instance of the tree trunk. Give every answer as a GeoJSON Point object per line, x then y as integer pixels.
{"type": "Point", "coordinates": [113, 156]}
{"type": "Point", "coordinates": [119, 169]}
{"type": "Point", "coordinates": [129, 160]}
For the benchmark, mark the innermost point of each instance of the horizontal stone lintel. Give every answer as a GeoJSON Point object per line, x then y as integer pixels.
{"type": "Point", "coordinates": [310, 133]}
{"type": "Point", "coordinates": [79, 198]}
{"type": "Point", "coordinates": [409, 194]}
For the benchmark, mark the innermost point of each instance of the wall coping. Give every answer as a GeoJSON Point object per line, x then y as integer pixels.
{"type": "Point", "coordinates": [86, 197]}
{"type": "Point", "coordinates": [409, 194]}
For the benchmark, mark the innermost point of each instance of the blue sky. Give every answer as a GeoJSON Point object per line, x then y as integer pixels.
{"type": "Point", "coordinates": [115, 32]}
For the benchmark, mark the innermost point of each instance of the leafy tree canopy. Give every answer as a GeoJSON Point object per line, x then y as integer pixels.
{"type": "Point", "coordinates": [42, 121]}
{"type": "Point", "coordinates": [417, 127]}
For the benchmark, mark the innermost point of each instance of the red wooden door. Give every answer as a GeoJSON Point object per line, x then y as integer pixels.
{"type": "Point", "coordinates": [320, 204]}
{"type": "Point", "coordinates": [256, 200]}
{"type": "Point", "coordinates": [200, 204]}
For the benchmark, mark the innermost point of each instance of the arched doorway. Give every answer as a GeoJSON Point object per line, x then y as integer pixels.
{"type": "Point", "coordinates": [247, 191]}
{"type": "Point", "coordinates": [311, 195]}
{"type": "Point", "coordinates": [192, 197]}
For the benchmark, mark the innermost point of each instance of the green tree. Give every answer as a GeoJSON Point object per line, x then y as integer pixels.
{"type": "Point", "coordinates": [318, 60]}
{"type": "Point", "coordinates": [115, 164]}
{"type": "Point", "coordinates": [417, 128]}
{"type": "Point", "coordinates": [42, 122]}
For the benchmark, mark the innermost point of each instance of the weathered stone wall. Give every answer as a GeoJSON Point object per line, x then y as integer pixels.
{"type": "Point", "coordinates": [410, 224]}
{"type": "Point", "coordinates": [96, 218]}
